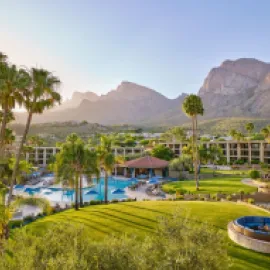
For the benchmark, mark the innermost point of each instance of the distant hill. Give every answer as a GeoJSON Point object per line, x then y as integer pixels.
{"type": "Point", "coordinates": [222, 126]}
{"type": "Point", "coordinates": [239, 88]}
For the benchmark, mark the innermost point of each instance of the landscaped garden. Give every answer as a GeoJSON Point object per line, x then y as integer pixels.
{"type": "Point", "coordinates": [219, 184]}
{"type": "Point", "coordinates": [140, 219]}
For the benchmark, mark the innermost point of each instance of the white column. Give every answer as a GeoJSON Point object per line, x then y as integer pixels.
{"type": "Point", "coordinates": [115, 171]}
{"type": "Point", "coordinates": [115, 151]}
{"type": "Point", "coordinates": [249, 153]}
{"type": "Point", "coordinates": [54, 151]}
{"type": "Point", "coordinates": [261, 152]}
{"type": "Point", "coordinates": [27, 157]}
{"type": "Point", "coordinates": [36, 154]}
{"type": "Point", "coordinates": [44, 157]}
{"type": "Point", "coordinates": [124, 152]}
{"type": "Point", "coordinates": [238, 151]}
{"type": "Point", "coordinates": [125, 171]}
{"type": "Point", "coordinates": [132, 150]}
{"type": "Point", "coordinates": [228, 154]}
{"type": "Point", "coordinates": [133, 172]}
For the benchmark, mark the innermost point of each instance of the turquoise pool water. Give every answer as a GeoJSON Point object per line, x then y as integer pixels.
{"type": "Point", "coordinates": [63, 195]}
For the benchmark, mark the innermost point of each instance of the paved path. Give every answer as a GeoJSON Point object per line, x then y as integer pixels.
{"type": "Point", "coordinates": [249, 182]}
{"type": "Point", "coordinates": [140, 194]}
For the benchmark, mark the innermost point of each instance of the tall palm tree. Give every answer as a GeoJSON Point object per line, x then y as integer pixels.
{"type": "Point", "coordinates": [35, 140]}
{"type": "Point", "coordinates": [193, 106]}
{"type": "Point", "coordinates": [249, 128]}
{"type": "Point", "coordinates": [265, 132]}
{"type": "Point", "coordinates": [41, 94]}
{"type": "Point", "coordinates": [13, 82]}
{"type": "Point", "coordinates": [106, 160]}
{"type": "Point", "coordinates": [73, 162]}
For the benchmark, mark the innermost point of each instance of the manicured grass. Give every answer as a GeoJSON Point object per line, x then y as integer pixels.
{"type": "Point", "coordinates": [225, 184]}
{"type": "Point", "coordinates": [140, 218]}
{"type": "Point", "coordinates": [224, 172]}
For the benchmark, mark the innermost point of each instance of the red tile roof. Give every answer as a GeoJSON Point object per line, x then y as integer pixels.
{"type": "Point", "coordinates": [147, 162]}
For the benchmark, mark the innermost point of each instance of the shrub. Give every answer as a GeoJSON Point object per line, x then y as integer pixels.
{"type": "Point", "coordinates": [86, 203]}
{"type": "Point", "coordinates": [29, 219]}
{"type": "Point", "coordinates": [251, 200]}
{"type": "Point", "coordinates": [95, 202]}
{"type": "Point", "coordinates": [229, 198]}
{"type": "Point", "coordinates": [180, 191]}
{"type": "Point", "coordinates": [254, 174]}
{"type": "Point", "coordinates": [193, 243]}
{"type": "Point", "coordinates": [255, 161]}
{"type": "Point", "coordinates": [15, 224]}
{"type": "Point", "coordinates": [114, 201]}
{"type": "Point", "coordinates": [179, 197]}
{"type": "Point", "coordinates": [240, 162]}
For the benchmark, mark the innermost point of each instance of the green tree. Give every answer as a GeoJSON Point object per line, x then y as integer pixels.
{"type": "Point", "coordinates": [174, 134]}
{"type": "Point", "coordinates": [144, 142]}
{"type": "Point", "coordinates": [193, 106]}
{"type": "Point", "coordinates": [13, 82]}
{"type": "Point", "coordinates": [35, 140]}
{"type": "Point", "coordinates": [254, 174]}
{"type": "Point", "coordinates": [106, 160]}
{"type": "Point", "coordinates": [162, 152]}
{"type": "Point", "coordinates": [265, 132]}
{"type": "Point", "coordinates": [249, 128]}
{"type": "Point", "coordinates": [73, 162]}
{"type": "Point", "coordinates": [41, 94]}
{"type": "Point", "coordinates": [6, 211]}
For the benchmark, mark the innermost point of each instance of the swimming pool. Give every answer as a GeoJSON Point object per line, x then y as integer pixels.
{"type": "Point", "coordinates": [58, 194]}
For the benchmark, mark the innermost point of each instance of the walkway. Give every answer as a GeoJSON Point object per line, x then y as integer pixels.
{"type": "Point", "coordinates": [140, 194]}
{"type": "Point", "coordinates": [249, 182]}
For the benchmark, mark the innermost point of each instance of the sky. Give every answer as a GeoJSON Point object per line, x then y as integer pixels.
{"type": "Point", "coordinates": [167, 45]}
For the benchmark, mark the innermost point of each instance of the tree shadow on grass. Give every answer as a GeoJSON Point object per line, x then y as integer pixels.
{"type": "Point", "coordinates": [125, 221]}
{"type": "Point", "coordinates": [245, 255]}
{"type": "Point", "coordinates": [86, 225]}
{"type": "Point", "coordinates": [129, 214]}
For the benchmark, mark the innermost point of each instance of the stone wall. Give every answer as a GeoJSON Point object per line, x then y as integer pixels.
{"type": "Point", "coordinates": [247, 242]}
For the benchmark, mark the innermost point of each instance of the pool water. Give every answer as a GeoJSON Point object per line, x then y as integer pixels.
{"type": "Point", "coordinates": [67, 195]}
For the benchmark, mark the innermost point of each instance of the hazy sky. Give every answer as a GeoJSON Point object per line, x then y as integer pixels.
{"type": "Point", "coordinates": [167, 45]}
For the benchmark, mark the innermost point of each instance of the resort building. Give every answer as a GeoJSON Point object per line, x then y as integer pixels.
{"type": "Point", "coordinates": [41, 156]}
{"type": "Point", "coordinates": [248, 151]}
{"type": "Point", "coordinates": [258, 151]}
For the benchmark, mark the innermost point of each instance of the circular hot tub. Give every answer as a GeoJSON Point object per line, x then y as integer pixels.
{"type": "Point", "coordinates": [252, 232]}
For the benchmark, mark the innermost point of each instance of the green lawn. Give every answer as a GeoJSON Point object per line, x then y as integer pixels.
{"type": "Point", "coordinates": [225, 184]}
{"type": "Point", "coordinates": [140, 218]}
{"type": "Point", "coordinates": [224, 172]}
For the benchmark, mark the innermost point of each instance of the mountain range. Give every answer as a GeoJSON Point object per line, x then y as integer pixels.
{"type": "Point", "coordinates": [239, 88]}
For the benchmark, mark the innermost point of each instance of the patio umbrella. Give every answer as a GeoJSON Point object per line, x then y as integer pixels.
{"type": "Point", "coordinates": [153, 181]}
{"type": "Point", "coordinates": [118, 191]}
{"type": "Point", "coordinates": [133, 179]}
{"type": "Point", "coordinates": [68, 192]}
{"type": "Point", "coordinates": [19, 187]}
{"type": "Point", "coordinates": [91, 192]}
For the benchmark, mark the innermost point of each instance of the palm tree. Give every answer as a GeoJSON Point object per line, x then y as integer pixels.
{"type": "Point", "coordinates": [249, 128]}
{"type": "Point", "coordinates": [193, 106]}
{"type": "Point", "coordinates": [41, 94]}
{"type": "Point", "coordinates": [35, 140]}
{"type": "Point", "coordinates": [232, 133]}
{"type": "Point", "coordinates": [3, 57]}
{"type": "Point", "coordinates": [6, 211]}
{"type": "Point", "coordinates": [106, 160]}
{"type": "Point", "coordinates": [13, 82]}
{"type": "Point", "coordinates": [73, 162]}
{"type": "Point", "coordinates": [265, 132]}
